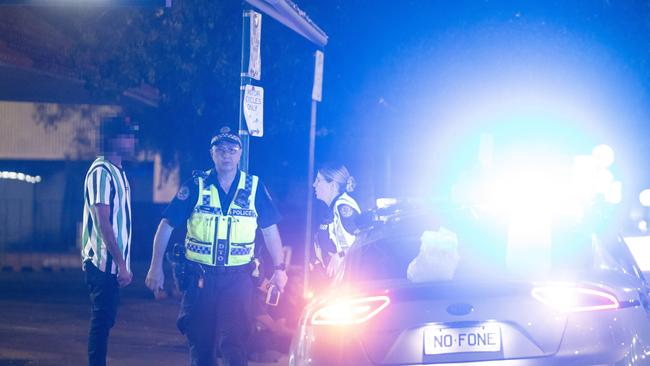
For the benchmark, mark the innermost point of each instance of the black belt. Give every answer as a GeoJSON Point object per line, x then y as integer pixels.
{"type": "Point", "coordinates": [248, 267]}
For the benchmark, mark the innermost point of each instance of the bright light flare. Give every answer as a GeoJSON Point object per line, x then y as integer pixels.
{"type": "Point", "coordinates": [604, 155]}
{"type": "Point", "coordinates": [533, 188]}
{"type": "Point", "coordinates": [574, 299]}
{"type": "Point", "coordinates": [539, 185]}
{"type": "Point", "coordinates": [614, 193]}
{"type": "Point", "coordinates": [385, 202]}
{"type": "Point", "coordinates": [644, 198]}
{"type": "Point", "coordinates": [350, 311]}
{"type": "Point", "coordinates": [532, 185]}
{"type": "Point", "coordinates": [20, 177]}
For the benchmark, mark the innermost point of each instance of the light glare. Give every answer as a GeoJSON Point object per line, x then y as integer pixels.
{"type": "Point", "coordinates": [385, 202]}
{"type": "Point", "coordinates": [604, 155]}
{"type": "Point", "coordinates": [566, 298]}
{"type": "Point", "coordinates": [350, 311]}
{"type": "Point", "coordinates": [20, 177]}
{"type": "Point", "coordinates": [644, 197]}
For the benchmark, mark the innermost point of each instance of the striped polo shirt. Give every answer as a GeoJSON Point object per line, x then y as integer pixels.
{"type": "Point", "coordinates": [106, 184]}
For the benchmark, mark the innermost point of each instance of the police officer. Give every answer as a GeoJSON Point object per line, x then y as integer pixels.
{"type": "Point", "coordinates": [222, 208]}
{"type": "Point", "coordinates": [337, 231]}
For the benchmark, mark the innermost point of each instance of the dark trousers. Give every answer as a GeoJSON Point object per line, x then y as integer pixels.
{"type": "Point", "coordinates": [218, 316]}
{"type": "Point", "coordinates": [104, 298]}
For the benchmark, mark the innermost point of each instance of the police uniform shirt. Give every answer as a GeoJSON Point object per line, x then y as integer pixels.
{"type": "Point", "coordinates": [348, 216]}
{"type": "Point", "coordinates": [180, 209]}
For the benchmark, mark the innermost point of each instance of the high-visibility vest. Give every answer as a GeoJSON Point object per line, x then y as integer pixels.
{"type": "Point", "coordinates": [341, 237]}
{"type": "Point", "coordinates": [216, 238]}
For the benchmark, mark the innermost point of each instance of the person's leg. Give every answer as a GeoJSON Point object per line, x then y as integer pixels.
{"type": "Point", "coordinates": [104, 298]}
{"type": "Point", "coordinates": [234, 317]}
{"type": "Point", "coordinates": [197, 321]}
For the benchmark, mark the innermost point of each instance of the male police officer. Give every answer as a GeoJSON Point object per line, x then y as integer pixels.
{"type": "Point", "coordinates": [223, 208]}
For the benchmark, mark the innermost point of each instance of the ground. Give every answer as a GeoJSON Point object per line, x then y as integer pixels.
{"type": "Point", "coordinates": [44, 321]}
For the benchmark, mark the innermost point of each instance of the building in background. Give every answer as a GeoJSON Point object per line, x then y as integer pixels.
{"type": "Point", "coordinates": [48, 137]}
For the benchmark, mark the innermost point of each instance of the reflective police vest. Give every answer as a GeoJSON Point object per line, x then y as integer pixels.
{"type": "Point", "coordinates": [218, 239]}
{"type": "Point", "coordinates": [341, 237]}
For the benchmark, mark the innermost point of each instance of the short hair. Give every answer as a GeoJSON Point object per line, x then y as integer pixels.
{"type": "Point", "coordinates": [111, 128]}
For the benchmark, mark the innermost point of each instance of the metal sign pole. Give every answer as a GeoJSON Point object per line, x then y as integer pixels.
{"type": "Point", "coordinates": [250, 69]}
{"type": "Point", "coordinates": [245, 49]}
{"type": "Point", "coordinates": [287, 13]}
{"type": "Point", "coordinates": [310, 196]}
{"type": "Point", "coordinates": [316, 96]}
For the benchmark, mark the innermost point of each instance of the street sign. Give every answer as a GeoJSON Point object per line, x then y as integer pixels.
{"type": "Point", "coordinates": [317, 91]}
{"type": "Point", "coordinates": [254, 67]}
{"type": "Point", "coordinates": [254, 110]}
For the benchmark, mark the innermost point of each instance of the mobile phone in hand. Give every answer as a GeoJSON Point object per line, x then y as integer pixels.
{"type": "Point", "coordinates": [273, 295]}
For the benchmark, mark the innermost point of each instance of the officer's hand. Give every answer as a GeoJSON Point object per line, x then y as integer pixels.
{"type": "Point", "coordinates": [279, 279]}
{"type": "Point", "coordinates": [124, 276]}
{"type": "Point", "coordinates": [155, 279]}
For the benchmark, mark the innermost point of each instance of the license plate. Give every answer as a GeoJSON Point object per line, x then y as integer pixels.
{"type": "Point", "coordinates": [439, 340]}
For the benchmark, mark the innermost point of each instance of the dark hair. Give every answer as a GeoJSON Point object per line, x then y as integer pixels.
{"type": "Point", "coordinates": [111, 128]}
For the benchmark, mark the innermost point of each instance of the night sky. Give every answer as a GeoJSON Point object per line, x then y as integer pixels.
{"type": "Point", "coordinates": [410, 85]}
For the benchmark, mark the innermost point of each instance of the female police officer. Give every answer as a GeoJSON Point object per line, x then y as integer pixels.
{"type": "Point", "coordinates": [223, 208]}
{"type": "Point", "coordinates": [337, 230]}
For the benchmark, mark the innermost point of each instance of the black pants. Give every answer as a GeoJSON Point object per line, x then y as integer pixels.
{"type": "Point", "coordinates": [218, 315]}
{"type": "Point", "coordinates": [104, 298]}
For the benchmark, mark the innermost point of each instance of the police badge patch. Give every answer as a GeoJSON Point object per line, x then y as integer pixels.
{"type": "Point", "coordinates": [183, 193]}
{"type": "Point", "coordinates": [346, 211]}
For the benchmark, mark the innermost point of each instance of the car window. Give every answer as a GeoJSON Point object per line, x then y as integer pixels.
{"type": "Point", "coordinates": [425, 249]}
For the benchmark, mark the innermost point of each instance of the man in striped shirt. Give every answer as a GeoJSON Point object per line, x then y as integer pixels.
{"type": "Point", "coordinates": [106, 234]}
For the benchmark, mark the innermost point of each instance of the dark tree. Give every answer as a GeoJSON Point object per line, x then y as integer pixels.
{"type": "Point", "coordinates": [186, 58]}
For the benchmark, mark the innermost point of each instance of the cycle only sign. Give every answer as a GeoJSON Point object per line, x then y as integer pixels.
{"type": "Point", "coordinates": [254, 110]}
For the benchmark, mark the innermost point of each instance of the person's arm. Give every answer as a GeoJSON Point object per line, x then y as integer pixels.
{"type": "Point", "coordinates": [348, 217]}
{"type": "Point", "coordinates": [274, 246]}
{"type": "Point", "coordinates": [267, 221]}
{"type": "Point", "coordinates": [102, 212]}
{"type": "Point", "coordinates": [155, 276]}
{"type": "Point", "coordinates": [174, 215]}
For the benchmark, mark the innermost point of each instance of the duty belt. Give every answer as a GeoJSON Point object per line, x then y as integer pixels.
{"type": "Point", "coordinates": [226, 269]}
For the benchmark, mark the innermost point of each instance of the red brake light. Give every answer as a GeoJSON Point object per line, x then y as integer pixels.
{"type": "Point", "coordinates": [350, 311]}
{"type": "Point", "coordinates": [574, 299]}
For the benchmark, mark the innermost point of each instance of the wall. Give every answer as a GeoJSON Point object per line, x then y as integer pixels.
{"type": "Point", "coordinates": [49, 131]}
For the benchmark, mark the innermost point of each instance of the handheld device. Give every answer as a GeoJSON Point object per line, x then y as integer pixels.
{"type": "Point", "coordinates": [273, 295]}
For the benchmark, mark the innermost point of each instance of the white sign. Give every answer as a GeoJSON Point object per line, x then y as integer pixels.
{"type": "Point", "coordinates": [438, 340]}
{"type": "Point", "coordinates": [254, 58]}
{"type": "Point", "coordinates": [254, 110]}
{"type": "Point", "coordinates": [317, 91]}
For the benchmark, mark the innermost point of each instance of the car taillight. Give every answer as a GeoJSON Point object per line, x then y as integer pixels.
{"type": "Point", "coordinates": [349, 311]}
{"type": "Point", "coordinates": [573, 299]}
